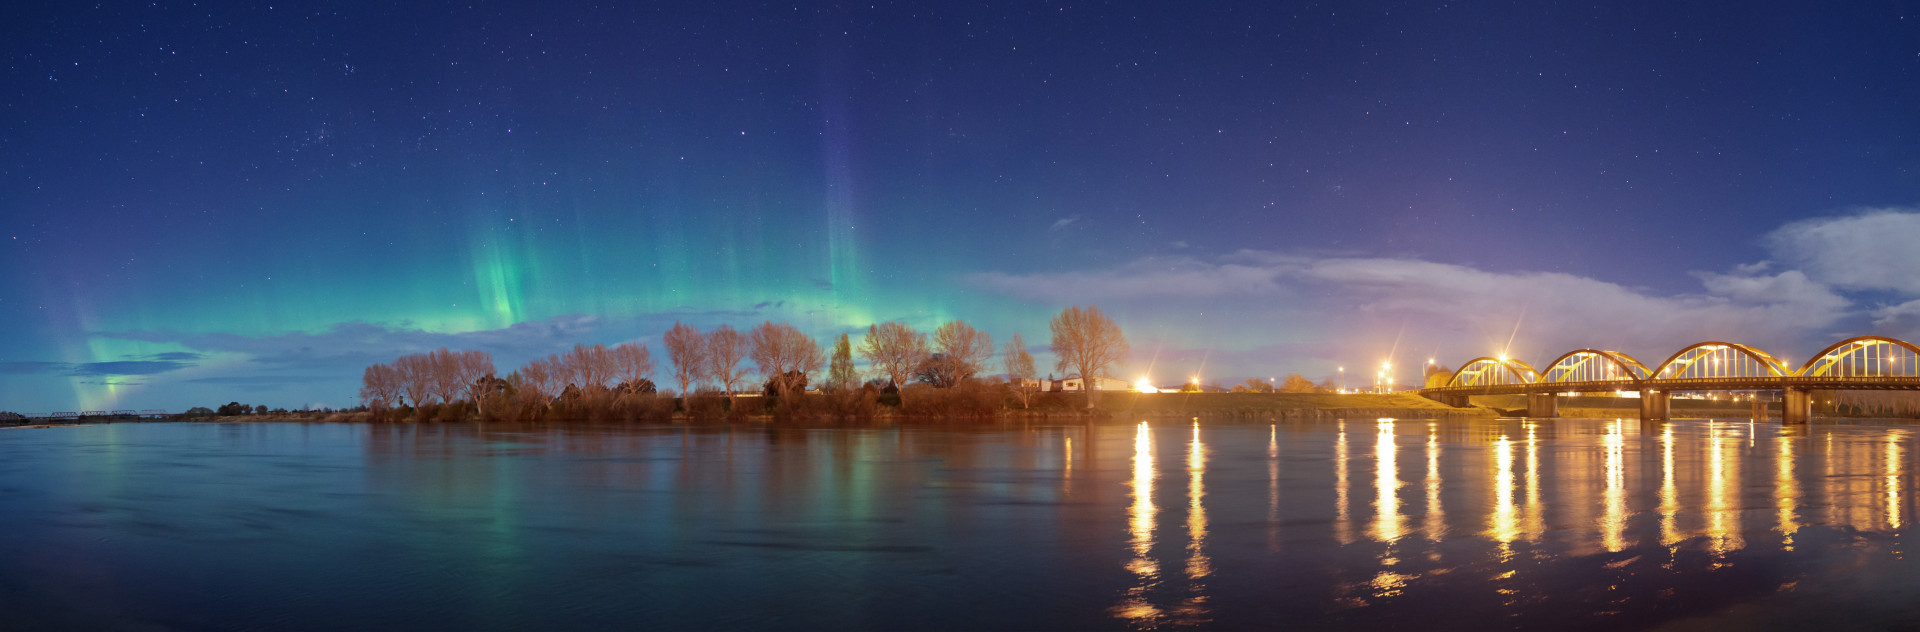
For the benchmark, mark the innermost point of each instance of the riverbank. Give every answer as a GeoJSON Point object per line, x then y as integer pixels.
{"type": "Point", "coordinates": [1303, 406]}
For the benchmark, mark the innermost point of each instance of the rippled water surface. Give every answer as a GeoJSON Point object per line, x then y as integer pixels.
{"type": "Point", "coordinates": [1571, 523]}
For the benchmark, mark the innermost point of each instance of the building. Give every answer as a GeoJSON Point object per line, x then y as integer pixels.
{"type": "Point", "coordinates": [1074, 384]}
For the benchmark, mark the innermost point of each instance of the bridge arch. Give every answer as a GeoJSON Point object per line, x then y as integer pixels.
{"type": "Point", "coordinates": [1715, 359]}
{"type": "Point", "coordinates": [1594, 365]}
{"type": "Point", "coordinates": [1864, 356]}
{"type": "Point", "coordinates": [1491, 371]}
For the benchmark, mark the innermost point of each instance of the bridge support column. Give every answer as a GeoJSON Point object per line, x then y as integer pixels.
{"type": "Point", "coordinates": [1542, 406]}
{"type": "Point", "coordinates": [1796, 406]}
{"type": "Point", "coordinates": [1653, 405]}
{"type": "Point", "coordinates": [1456, 401]}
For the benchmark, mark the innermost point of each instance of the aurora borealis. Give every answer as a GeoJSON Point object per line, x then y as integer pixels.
{"type": "Point", "coordinates": [208, 203]}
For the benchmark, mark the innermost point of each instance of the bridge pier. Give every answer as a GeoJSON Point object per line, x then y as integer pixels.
{"type": "Point", "coordinates": [1796, 406]}
{"type": "Point", "coordinates": [1456, 401]}
{"type": "Point", "coordinates": [1654, 405]}
{"type": "Point", "coordinates": [1542, 406]}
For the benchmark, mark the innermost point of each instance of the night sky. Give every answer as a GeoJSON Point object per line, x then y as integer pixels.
{"type": "Point", "coordinates": [212, 202]}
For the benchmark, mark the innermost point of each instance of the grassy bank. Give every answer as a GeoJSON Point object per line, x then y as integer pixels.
{"type": "Point", "coordinates": [1281, 405]}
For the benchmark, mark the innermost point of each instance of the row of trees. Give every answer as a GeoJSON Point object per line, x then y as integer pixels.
{"type": "Point", "coordinates": [422, 378]}
{"type": "Point", "coordinates": [1087, 342]}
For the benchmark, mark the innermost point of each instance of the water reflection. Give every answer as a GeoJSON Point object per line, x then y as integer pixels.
{"type": "Point", "coordinates": [1343, 518]}
{"type": "Point", "coordinates": [1893, 479]}
{"type": "Point", "coordinates": [1193, 610]}
{"type": "Point", "coordinates": [1504, 525]}
{"type": "Point", "coordinates": [1386, 504]}
{"type": "Point", "coordinates": [1786, 491]}
{"type": "Point", "coordinates": [1613, 524]}
{"type": "Point", "coordinates": [1273, 487]}
{"type": "Point", "coordinates": [1579, 523]}
{"type": "Point", "coordinates": [1723, 473]}
{"type": "Point", "coordinates": [1140, 524]}
{"type": "Point", "coordinates": [1436, 523]}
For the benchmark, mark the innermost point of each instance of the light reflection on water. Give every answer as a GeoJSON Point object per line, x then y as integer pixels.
{"type": "Point", "coordinates": [1562, 523]}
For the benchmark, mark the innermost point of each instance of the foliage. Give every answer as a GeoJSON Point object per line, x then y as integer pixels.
{"type": "Point", "coordinates": [795, 380]}
{"type": "Point", "coordinates": [840, 374]}
{"type": "Point", "coordinates": [1297, 384]}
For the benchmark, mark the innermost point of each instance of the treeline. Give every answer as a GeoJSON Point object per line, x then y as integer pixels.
{"type": "Point", "coordinates": [908, 370]}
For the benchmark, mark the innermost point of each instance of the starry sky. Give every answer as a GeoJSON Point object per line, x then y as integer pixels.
{"type": "Point", "coordinates": [205, 202]}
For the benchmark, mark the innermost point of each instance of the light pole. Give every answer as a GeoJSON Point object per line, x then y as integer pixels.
{"type": "Point", "coordinates": [1343, 380]}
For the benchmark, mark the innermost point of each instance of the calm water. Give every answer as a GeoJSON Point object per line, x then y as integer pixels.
{"type": "Point", "coordinates": [1465, 525]}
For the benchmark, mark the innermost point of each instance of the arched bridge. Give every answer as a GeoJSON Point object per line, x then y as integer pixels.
{"type": "Point", "coordinates": [1863, 363]}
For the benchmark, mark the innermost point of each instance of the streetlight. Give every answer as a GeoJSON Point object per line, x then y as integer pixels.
{"type": "Point", "coordinates": [1343, 379]}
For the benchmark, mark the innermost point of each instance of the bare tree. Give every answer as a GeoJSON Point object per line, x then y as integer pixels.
{"type": "Point", "coordinates": [686, 348]}
{"type": "Point", "coordinates": [474, 369]}
{"type": "Point", "coordinates": [779, 348]}
{"type": "Point", "coordinates": [589, 366]}
{"type": "Point", "coordinates": [416, 377]}
{"type": "Point", "coordinates": [380, 386]}
{"type": "Point", "coordinates": [1088, 342]}
{"type": "Point", "coordinates": [540, 380]}
{"type": "Point", "coordinates": [894, 349]}
{"type": "Point", "coordinates": [632, 362]}
{"type": "Point", "coordinates": [961, 349]}
{"type": "Point", "coordinates": [724, 349]}
{"type": "Point", "coordinates": [444, 369]}
{"type": "Point", "coordinates": [1019, 365]}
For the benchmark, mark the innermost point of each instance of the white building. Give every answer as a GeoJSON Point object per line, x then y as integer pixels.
{"type": "Point", "coordinates": [1076, 384]}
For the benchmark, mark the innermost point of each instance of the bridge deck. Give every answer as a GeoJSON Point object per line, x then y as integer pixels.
{"type": "Point", "coordinates": [1700, 384]}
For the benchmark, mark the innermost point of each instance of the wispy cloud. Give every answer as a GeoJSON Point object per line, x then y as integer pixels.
{"type": "Point", "coordinates": [95, 369]}
{"type": "Point", "coordinates": [1064, 222]}
{"type": "Point", "coordinates": [1340, 296]}
{"type": "Point", "coordinates": [1872, 249]}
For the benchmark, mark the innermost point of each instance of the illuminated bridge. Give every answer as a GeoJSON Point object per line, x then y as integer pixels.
{"type": "Point", "coordinates": [1864, 363]}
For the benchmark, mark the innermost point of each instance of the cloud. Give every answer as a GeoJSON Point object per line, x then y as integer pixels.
{"type": "Point", "coordinates": [347, 348]}
{"type": "Point", "coordinates": [1901, 320]}
{"type": "Point", "coordinates": [1063, 223]}
{"type": "Point", "coordinates": [32, 368]}
{"type": "Point", "coordinates": [1153, 276]}
{"type": "Point", "coordinates": [129, 367]}
{"type": "Point", "coordinates": [1459, 305]}
{"type": "Point", "coordinates": [95, 369]}
{"type": "Point", "coordinates": [1871, 250]}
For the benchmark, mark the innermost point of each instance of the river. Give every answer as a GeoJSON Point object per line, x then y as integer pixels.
{"type": "Point", "coordinates": [1566, 524]}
